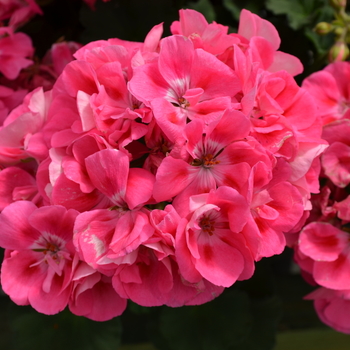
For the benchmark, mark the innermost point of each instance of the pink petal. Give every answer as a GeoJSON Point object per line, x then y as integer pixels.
{"type": "Point", "coordinates": [139, 187]}
{"type": "Point", "coordinates": [108, 170]}
{"type": "Point", "coordinates": [322, 241]}
{"type": "Point", "coordinates": [252, 25]}
{"type": "Point", "coordinates": [16, 231]}
{"type": "Point", "coordinates": [219, 263]}
{"type": "Point", "coordinates": [173, 176]}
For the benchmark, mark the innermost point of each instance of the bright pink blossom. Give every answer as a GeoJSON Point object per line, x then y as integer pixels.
{"type": "Point", "coordinates": [263, 43]}
{"type": "Point", "coordinates": [184, 83]}
{"type": "Point", "coordinates": [209, 242]}
{"type": "Point", "coordinates": [40, 257]}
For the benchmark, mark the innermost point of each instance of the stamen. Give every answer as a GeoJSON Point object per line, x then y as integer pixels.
{"type": "Point", "coordinates": [183, 102]}
{"type": "Point", "coordinates": [207, 225]}
{"type": "Point", "coordinates": [209, 161]}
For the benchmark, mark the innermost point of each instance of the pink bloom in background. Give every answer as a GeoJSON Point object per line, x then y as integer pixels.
{"type": "Point", "coordinates": [15, 53]}
{"type": "Point", "coordinates": [9, 99]}
{"type": "Point", "coordinates": [332, 307]}
{"type": "Point", "coordinates": [322, 249]}
{"type": "Point", "coordinates": [330, 89]}
{"type": "Point", "coordinates": [328, 247]}
{"type": "Point", "coordinates": [44, 73]}
{"type": "Point", "coordinates": [18, 12]}
{"type": "Point", "coordinates": [20, 135]}
{"type": "Point", "coordinates": [336, 159]}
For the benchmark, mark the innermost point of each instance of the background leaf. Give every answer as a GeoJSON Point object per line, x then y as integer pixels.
{"type": "Point", "coordinates": [64, 331]}
{"type": "Point", "coordinates": [298, 12]}
{"type": "Point", "coordinates": [219, 324]}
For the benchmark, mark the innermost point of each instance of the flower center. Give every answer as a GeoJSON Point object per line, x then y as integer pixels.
{"type": "Point", "coordinates": [52, 247]}
{"type": "Point", "coordinates": [207, 225]}
{"type": "Point", "coordinates": [207, 161]}
{"type": "Point", "coordinates": [183, 102]}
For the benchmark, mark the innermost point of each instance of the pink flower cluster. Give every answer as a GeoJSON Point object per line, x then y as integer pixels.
{"type": "Point", "coordinates": [18, 72]}
{"type": "Point", "coordinates": [158, 171]}
{"type": "Point", "coordinates": [323, 247]}
{"type": "Point", "coordinates": [16, 49]}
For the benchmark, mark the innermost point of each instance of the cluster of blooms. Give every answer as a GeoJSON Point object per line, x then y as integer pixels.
{"type": "Point", "coordinates": [158, 171]}
{"type": "Point", "coordinates": [323, 247]}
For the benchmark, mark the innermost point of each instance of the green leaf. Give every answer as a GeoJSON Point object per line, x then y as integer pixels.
{"type": "Point", "coordinates": [298, 12]}
{"type": "Point", "coordinates": [233, 8]}
{"type": "Point", "coordinates": [266, 316]}
{"type": "Point", "coordinates": [64, 331]}
{"type": "Point", "coordinates": [205, 7]}
{"type": "Point", "coordinates": [219, 324]}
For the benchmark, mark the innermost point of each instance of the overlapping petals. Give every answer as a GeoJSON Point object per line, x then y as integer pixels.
{"type": "Point", "coordinates": [157, 171]}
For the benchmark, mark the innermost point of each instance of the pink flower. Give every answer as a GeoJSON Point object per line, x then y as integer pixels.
{"type": "Point", "coordinates": [209, 241]}
{"type": "Point", "coordinates": [9, 99]}
{"type": "Point", "coordinates": [276, 207]}
{"type": "Point", "coordinates": [18, 12]}
{"type": "Point", "coordinates": [16, 184]}
{"type": "Point", "coordinates": [332, 307]}
{"type": "Point", "coordinates": [263, 43]}
{"type": "Point", "coordinates": [215, 155]}
{"type": "Point", "coordinates": [40, 256]}
{"type": "Point", "coordinates": [211, 37]}
{"type": "Point", "coordinates": [14, 52]}
{"type": "Point", "coordinates": [329, 249]}
{"type": "Point", "coordinates": [336, 159]}
{"type": "Point", "coordinates": [93, 295]}
{"type": "Point", "coordinates": [330, 90]}
{"type": "Point", "coordinates": [21, 134]}
{"type": "Point", "coordinates": [181, 84]}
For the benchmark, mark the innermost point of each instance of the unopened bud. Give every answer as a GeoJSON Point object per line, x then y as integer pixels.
{"type": "Point", "coordinates": [338, 4]}
{"type": "Point", "coordinates": [323, 28]}
{"type": "Point", "coordinates": [338, 31]}
{"type": "Point", "coordinates": [338, 52]}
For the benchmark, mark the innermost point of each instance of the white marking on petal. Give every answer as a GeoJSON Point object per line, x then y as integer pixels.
{"type": "Point", "coordinates": [99, 246]}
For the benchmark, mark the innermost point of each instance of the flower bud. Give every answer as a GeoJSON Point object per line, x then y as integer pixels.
{"type": "Point", "coordinates": [338, 4]}
{"type": "Point", "coordinates": [338, 31]}
{"type": "Point", "coordinates": [323, 28]}
{"type": "Point", "coordinates": [338, 52]}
